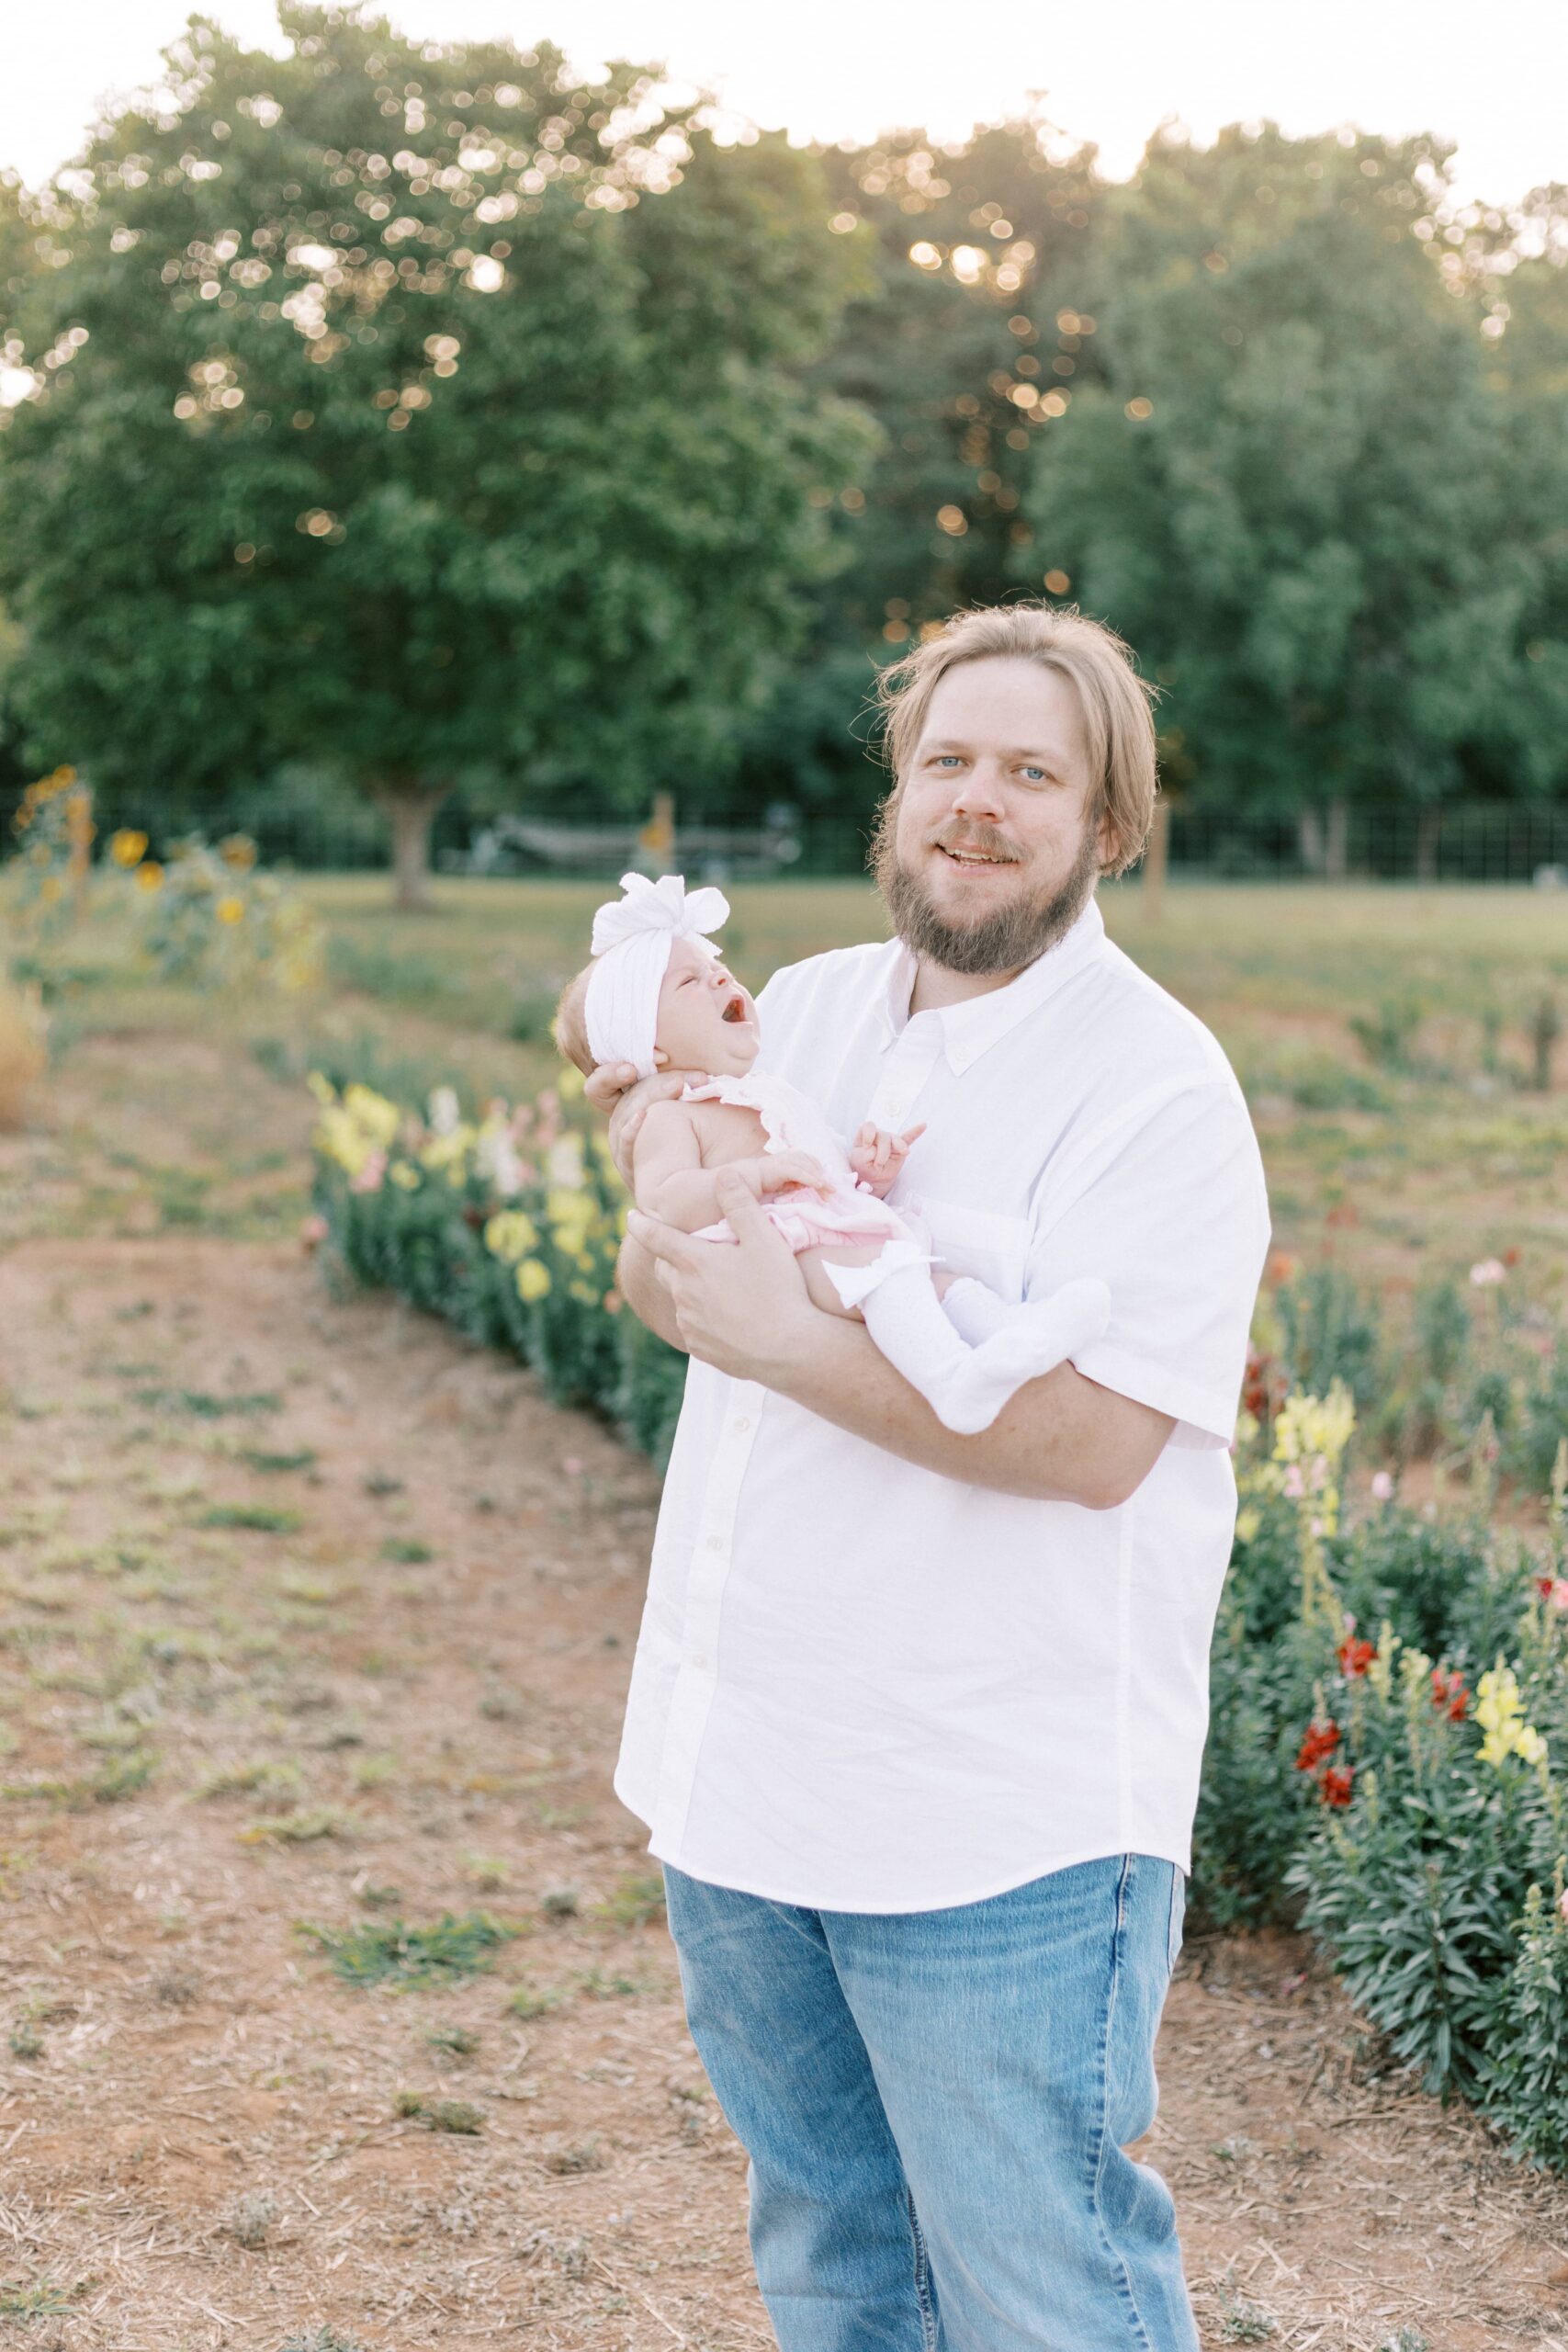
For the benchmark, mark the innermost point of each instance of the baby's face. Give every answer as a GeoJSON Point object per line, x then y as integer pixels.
{"type": "Point", "coordinates": [706, 1021]}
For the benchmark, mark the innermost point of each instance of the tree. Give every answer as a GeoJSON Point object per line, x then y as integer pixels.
{"type": "Point", "coordinates": [424, 410]}
{"type": "Point", "coordinates": [1297, 490]}
{"type": "Point", "coordinates": [964, 343]}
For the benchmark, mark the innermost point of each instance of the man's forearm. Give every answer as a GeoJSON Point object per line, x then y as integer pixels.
{"type": "Point", "coordinates": [1061, 1438]}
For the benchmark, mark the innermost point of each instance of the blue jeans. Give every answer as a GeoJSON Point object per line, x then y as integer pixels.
{"type": "Point", "coordinates": [935, 2103]}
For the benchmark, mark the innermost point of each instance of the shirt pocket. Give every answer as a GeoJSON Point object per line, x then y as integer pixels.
{"type": "Point", "coordinates": [994, 1250]}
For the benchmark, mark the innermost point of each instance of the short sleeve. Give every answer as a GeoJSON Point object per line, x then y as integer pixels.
{"type": "Point", "coordinates": [1167, 1203]}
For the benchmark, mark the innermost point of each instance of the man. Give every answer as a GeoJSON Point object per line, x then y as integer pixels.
{"type": "Point", "coordinates": [916, 1719]}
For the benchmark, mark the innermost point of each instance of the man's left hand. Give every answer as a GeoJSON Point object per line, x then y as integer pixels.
{"type": "Point", "coordinates": [743, 1309]}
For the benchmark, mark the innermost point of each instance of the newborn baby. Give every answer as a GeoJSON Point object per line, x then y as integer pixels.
{"type": "Point", "coordinates": [657, 996]}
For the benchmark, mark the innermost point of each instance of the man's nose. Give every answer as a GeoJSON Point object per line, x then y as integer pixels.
{"type": "Point", "coordinates": [979, 793]}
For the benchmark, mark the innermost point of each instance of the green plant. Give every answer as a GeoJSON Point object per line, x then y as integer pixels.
{"type": "Point", "coordinates": [1387, 1035]}
{"type": "Point", "coordinates": [393, 1952]}
{"type": "Point", "coordinates": [442, 2114]}
{"type": "Point", "coordinates": [1329, 1333]}
{"type": "Point", "coordinates": [260, 1517]}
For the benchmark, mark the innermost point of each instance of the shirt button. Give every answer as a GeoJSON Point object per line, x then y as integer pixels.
{"type": "Point", "coordinates": [715, 1542]}
{"type": "Point", "coordinates": [700, 1662]}
{"type": "Point", "coordinates": [742, 1423]}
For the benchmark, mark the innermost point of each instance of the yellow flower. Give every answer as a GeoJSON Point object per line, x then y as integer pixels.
{"type": "Point", "coordinates": [1315, 1425]}
{"type": "Point", "coordinates": [372, 1111]}
{"type": "Point", "coordinates": [230, 910]}
{"type": "Point", "coordinates": [510, 1236]}
{"type": "Point", "coordinates": [238, 850]}
{"type": "Point", "coordinates": [403, 1175]}
{"type": "Point", "coordinates": [1500, 1712]}
{"type": "Point", "coordinates": [570, 1085]}
{"type": "Point", "coordinates": [1247, 1523]}
{"type": "Point", "coordinates": [321, 1087]}
{"type": "Point", "coordinates": [127, 848]}
{"type": "Point", "coordinates": [533, 1281]}
{"type": "Point", "coordinates": [149, 875]}
{"type": "Point", "coordinates": [51, 889]}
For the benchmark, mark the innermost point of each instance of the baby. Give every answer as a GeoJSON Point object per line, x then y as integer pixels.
{"type": "Point", "coordinates": [657, 996]}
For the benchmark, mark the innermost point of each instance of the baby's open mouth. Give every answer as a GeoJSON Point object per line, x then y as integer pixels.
{"type": "Point", "coordinates": [734, 1008]}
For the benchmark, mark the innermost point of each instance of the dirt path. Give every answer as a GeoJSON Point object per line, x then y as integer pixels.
{"type": "Point", "coordinates": [395, 1694]}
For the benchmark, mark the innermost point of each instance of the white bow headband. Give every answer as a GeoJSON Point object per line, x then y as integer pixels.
{"type": "Point", "coordinates": [632, 939]}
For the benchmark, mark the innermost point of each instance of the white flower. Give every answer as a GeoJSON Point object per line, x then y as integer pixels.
{"type": "Point", "coordinates": [563, 1162]}
{"type": "Point", "coordinates": [1487, 1271]}
{"type": "Point", "coordinates": [444, 1115]}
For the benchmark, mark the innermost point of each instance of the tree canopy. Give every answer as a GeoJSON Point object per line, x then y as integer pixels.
{"type": "Point", "coordinates": [422, 410]}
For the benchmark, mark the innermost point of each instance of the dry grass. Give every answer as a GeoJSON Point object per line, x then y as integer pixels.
{"type": "Point", "coordinates": [23, 1053]}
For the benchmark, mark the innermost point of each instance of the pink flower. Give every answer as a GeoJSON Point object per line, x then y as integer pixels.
{"type": "Point", "coordinates": [1563, 1903]}
{"type": "Point", "coordinates": [370, 1174]}
{"type": "Point", "coordinates": [314, 1231]}
{"type": "Point", "coordinates": [1557, 1592]}
{"type": "Point", "coordinates": [1382, 1487]}
{"type": "Point", "coordinates": [1487, 1271]}
{"type": "Point", "coordinates": [1295, 1485]}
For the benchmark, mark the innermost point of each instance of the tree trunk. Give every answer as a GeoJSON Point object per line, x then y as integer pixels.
{"type": "Point", "coordinates": [1309, 834]}
{"type": "Point", "coordinates": [411, 810]}
{"type": "Point", "coordinates": [1336, 841]}
{"type": "Point", "coordinates": [1428, 826]}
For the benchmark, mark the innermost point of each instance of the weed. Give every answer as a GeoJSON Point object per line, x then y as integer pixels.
{"type": "Point", "coordinates": [406, 1552]}
{"type": "Point", "coordinates": [320, 2339]}
{"type": "Point", "coordinates": [300, 1828]}
{"type": "Point", "coordinates": [26, 2041]}
{"type": "Point", "coordinates": [500, 1706]}
{"type": "Point", "coordinates": [42, 2302]}
{"type": "Point", "coordinates": [529, 2001]}
{"type": "Point", "coordinates": [442, 2114]}
{"type": "Point", "coordinates": [381, 1482]}
{"type": "Point", "coordinates": [176, 1988]}
{"type": "Point", "coordinates": [121, 1778]}
{"type": "Point", "coordinates": [256, 1776]}
{"type": "Point", "coordinates": [375, 1771]}
{"type": "Point", "coordinates": [486, 1871]}
{"type": "Point", "coordinates": [258, 1457]}
{"type": "Point", "coordinates": [251, 2223]}
{"type": "Point", "coordinates": [202, 1405]}
{"type": "Point", "coordinates": [600, 1987]}
{"type": "Point", "coordinates": [634, 1902]}
{"type": "Point", "coordinates": [260, 1517]}
{"type": "Point", "coordinates": [457, 2040]}
{"type": "Point", "coordinates": [394, 1952]}
{"type": "Point", "coordinates": [1241, 2320]}
{"type": "Point", "coordinates": [559, 1902]}
{"type": "Point", "coordinates": [585, 2157]}
{"type": "Point", "coordinates": [1407, 2339]}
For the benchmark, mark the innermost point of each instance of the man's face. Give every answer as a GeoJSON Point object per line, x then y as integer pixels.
{"type": "Point", "coordinates": [985, 854]}
{"type": "Point", "coordinates": [706, 1021]}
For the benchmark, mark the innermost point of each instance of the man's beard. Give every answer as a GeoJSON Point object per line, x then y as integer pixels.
{"type": "Point", "coordinates": [1003, 941]}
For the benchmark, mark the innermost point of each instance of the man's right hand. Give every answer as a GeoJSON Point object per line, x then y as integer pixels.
{"type": "Point", "coordinates": [615, 1089]}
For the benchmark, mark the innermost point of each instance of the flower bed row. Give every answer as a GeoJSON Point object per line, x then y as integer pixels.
{"type": "Point", "coordinates": [1390, 1704]}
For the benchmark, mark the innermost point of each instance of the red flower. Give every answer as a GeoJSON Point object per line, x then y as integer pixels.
{"type": "Point", "coordinates": [1543, 1586]}
{"type": "Point", "coordinates": [1336, 1786]}
{"type": "Point", "coordinates": [1355, 1656]}
{"type": "Point", "coordinates": [1321, 1740]}
{"type": "Point", "coordinates": [1449, 1695]}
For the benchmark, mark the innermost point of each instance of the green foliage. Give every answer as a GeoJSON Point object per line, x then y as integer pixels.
{"type": "Point", "coordinates": [489, 447]}
{"type": "Point", "coordinates": [390, 1951]}
{"type": "Point", "coordinates": [442, 2114]}
{"type": "Point", "coordinates": [1330, 1332]}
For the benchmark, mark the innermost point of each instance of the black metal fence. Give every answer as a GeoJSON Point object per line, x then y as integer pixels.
{"type": "Point", "coordinates": [1386, 843]}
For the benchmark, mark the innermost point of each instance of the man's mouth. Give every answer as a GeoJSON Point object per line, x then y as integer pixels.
{"type": "Point", "coordinates": [974, 857]}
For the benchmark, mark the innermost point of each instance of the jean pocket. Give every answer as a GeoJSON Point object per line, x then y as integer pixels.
{"type": "Point", "coordinates": [1177, 1914]}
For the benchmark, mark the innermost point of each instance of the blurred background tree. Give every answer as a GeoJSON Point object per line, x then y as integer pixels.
{"type": "Point", "coordinates": [421, 412]}
{"type": "Point", "coordinates": [413, 415]}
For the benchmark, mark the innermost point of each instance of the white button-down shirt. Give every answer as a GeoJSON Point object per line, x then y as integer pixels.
{"type": "Point", "coordinates": [863, 1685]}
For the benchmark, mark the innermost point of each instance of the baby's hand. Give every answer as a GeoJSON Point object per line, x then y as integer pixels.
{"type": "Point", "coordinates": [878, 1158]}
{"type": "Point", "coordinates": [775, 1171]}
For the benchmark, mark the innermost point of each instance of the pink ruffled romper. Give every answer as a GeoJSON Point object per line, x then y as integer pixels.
{"type": "Point", "coordinates": [848, 1213]}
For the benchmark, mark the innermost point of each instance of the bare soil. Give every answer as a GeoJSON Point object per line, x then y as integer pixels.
{"type": "Point", "coordinates": [200, 2122]}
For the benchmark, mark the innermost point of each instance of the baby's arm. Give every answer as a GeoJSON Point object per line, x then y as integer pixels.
{"type": "Point", "coordinates": [669, 1181]}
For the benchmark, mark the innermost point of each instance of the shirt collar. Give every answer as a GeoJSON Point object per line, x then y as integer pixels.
{"type": "Point", "coordinates": [971, 1027]}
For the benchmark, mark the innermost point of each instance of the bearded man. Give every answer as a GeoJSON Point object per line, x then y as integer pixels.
{"type": "Point", "coordinates": [916, 1719]}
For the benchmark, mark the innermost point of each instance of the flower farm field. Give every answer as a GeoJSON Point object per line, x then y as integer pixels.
{"type": "Point", "coordinates": [318, 1618]}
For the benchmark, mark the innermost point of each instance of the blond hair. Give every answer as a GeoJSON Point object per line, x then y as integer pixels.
{"type": "Point", "coordinates": [569, 1028]}
{"type": "Point", "coordinates": [1114, 701]}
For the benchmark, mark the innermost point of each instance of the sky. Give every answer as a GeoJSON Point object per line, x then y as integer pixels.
{"type": "Point", "coordinates": [1490, 78]}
